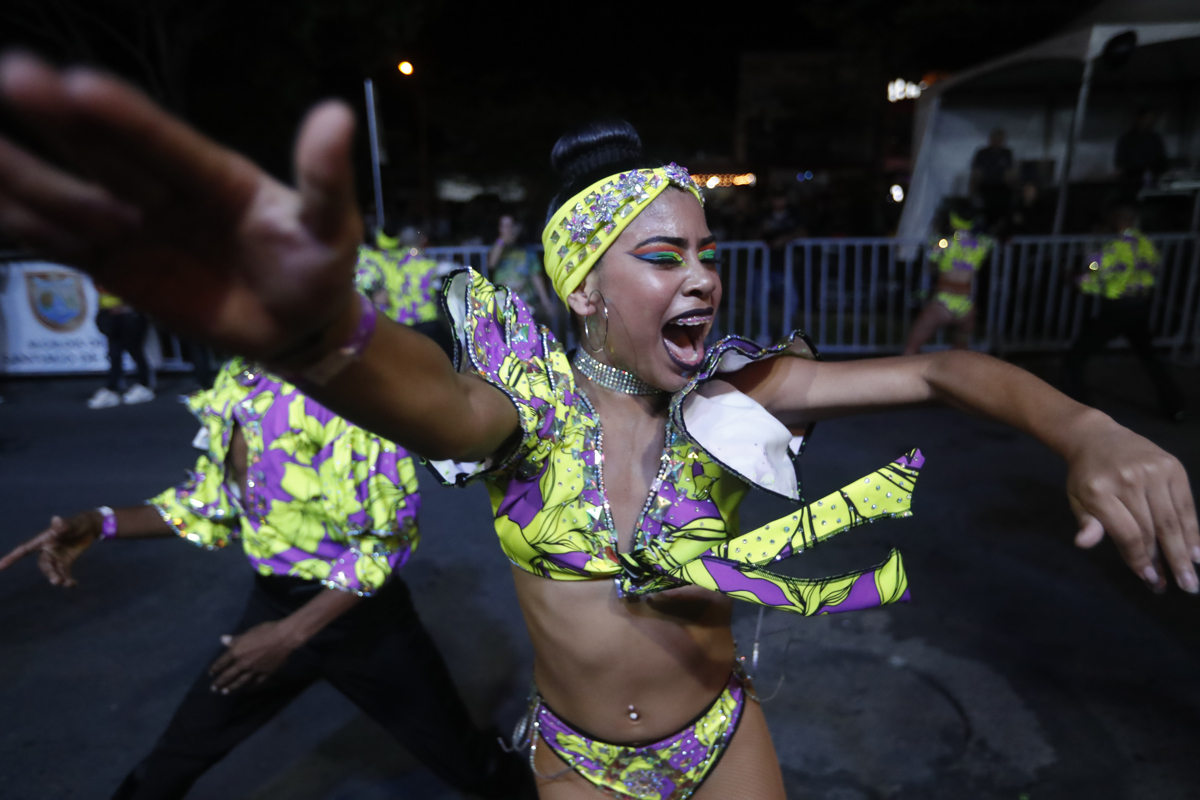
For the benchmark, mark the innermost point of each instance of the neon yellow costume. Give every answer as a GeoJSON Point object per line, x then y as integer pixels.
{"type": "Point", "coordinates": [552, 512]}
{"type": "Point", "coordinates": [407, 279]}
{"type": "Point", "coordinates": [1125, 267]}
{"type": "Point", "coordinates": [959, 305]}
{"type": "Point", "coordinates": [963, 251]}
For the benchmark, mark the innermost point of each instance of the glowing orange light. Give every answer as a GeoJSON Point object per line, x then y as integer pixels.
{"type": "Point", "coordinates": [723, 179]}
{"type": "Point", "coordinates": [405, 68]}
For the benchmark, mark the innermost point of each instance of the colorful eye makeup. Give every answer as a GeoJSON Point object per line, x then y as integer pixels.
{"type": "Point", "coordinates": [669, 254]}
{"type": "Point", "coordinates": [659, 254]}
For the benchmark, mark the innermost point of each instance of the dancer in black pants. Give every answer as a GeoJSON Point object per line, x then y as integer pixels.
{"type": "Point", "coordinates": [125, 328]}
{"type": "Point", "coordinates": [326, 514]}
{"type": "Point", "coordinates": [377, 654]}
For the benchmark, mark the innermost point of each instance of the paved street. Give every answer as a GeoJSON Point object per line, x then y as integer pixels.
{"type": "Point", "coordinates": [1023, 668]}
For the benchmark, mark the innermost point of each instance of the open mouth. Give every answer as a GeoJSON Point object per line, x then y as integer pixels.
{"type": "Point", "coordinates": [683, 337]}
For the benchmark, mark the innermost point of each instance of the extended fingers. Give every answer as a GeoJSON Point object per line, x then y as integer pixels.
{"type": "Point", "coordinates": [19, 552]}
{"type": "Point", "coordinates": [61, 199]}
{"type": "Point", "coordinates": [21, 223]}
{"type": "Point", "coordinates": [232, 674]}
{"type": "Point", "coordinates": [1169, 528]}
{"type": "Point", "coordinates": [58, 573]}
{"type": "Point", "coordinates": [1122, 527]}
{"type": "Point", "coordinates": [324, 172]}
{"type": "Point", "coordinates": [118, 136]}
{"type": "Point", "coordinates": [1185, 507]}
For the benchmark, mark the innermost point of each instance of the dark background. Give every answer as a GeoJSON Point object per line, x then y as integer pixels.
{"type": "Point", "coordinates": [766, 87]}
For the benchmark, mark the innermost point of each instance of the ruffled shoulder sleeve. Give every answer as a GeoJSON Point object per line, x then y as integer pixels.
{"type": "Point", "coordinates": [732, 428]}
{"type": "Point", "coordinates": [497, 339]}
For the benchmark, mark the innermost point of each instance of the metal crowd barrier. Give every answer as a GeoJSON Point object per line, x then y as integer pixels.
{"type": "Point", "coordinates": [862, 295]}
{"type": "Point", "coordinates": [1039, 308]}
{"type": "Point", "coordinates": [474, 256]}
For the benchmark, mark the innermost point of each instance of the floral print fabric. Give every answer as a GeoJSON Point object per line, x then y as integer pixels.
{"type": "Point", "coordinates": [325, 500]}
{"type": "Point", "coordinates": [669, 769]}
{"type": "Point", "coordinates": [409, 283]}
{"type": "Point", "coordinates": [551, 513]}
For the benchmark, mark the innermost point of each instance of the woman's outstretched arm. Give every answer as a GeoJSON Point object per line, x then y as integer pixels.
{"type": "Point", "coordinates": [203, 239]}
{"type": "Point", "coordinates": [1119, 483]}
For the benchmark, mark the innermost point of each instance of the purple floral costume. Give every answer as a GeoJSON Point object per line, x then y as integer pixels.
{"type": "Point", "coordinates": [553, 520]}
{"type": "Point", "coordinates": [325, 500]}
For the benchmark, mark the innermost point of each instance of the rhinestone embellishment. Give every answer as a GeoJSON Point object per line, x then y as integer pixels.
{"type": "Point", "coordinates": [579, 225]}
{"type": "Point", "coordinates": [612, 378]}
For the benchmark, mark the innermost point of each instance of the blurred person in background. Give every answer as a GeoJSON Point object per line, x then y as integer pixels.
{"type": "Point", "coordinates": [780, 225]}
{"type": "Point", "coordinates": [519, 268]}
{"type": "Point", "coordinates": [125, 328]}
{"type": "Point", "coordinates": [404, 283]}
{"type": "Point", "coordinates": [1140, 157]}
{"type": "Point", "coordinates": [992, 175]}
{"type": "Point", "coordinates": [327, 514]}
{"type": "Point", "coordinates": [1031, 214]}
{"type": "Point", "coordinates": [957, 257]}
{"type": "Point", "coordinates": [1119, 279]}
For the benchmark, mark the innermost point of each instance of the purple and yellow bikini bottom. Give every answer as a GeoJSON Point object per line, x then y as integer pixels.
{"type": "Point", "coordinates": [959, 305]}
{"type": "Point", "coordinates": [669, 769]}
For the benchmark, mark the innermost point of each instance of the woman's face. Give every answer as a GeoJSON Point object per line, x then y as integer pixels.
{"type": "Point", "coordinates": [660, 286]}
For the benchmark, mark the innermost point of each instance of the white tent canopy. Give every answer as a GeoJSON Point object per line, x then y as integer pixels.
{"type": "Point", "coordinates": [1035, 94]}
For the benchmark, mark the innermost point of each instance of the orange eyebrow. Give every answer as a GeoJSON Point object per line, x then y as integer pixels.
{"type": "Point", "coordinates": [658, 248]}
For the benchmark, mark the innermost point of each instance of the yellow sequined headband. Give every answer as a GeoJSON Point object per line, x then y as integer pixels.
{"type": "Point", "coordinates": [579, 232]}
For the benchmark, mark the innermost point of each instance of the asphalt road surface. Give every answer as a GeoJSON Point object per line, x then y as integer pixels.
{"type": "Point", "coordinates": [1023, 668]}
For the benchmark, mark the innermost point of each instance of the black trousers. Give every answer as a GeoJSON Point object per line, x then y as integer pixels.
{"type": "Point", "coordinates": [379, 656]}
{"type": "Point", "coordinates": [1129, 318]}
{"type": "Point", "coordinates": [126, 332]}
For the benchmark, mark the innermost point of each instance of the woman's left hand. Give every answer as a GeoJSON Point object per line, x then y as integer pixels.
{"type": "Point", "coordinates": [1123, 485]}
{"type": "Point", "coordinates": [251, 657]}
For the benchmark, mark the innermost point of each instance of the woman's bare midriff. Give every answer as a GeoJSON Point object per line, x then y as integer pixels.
{"type": "Point", "coordinates": [668, 655]}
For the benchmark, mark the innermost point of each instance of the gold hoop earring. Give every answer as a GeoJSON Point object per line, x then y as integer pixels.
{"type": "Point", "coordinates": [587, 325]}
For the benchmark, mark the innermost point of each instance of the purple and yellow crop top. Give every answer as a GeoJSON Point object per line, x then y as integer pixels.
{"type": "Point", "coordinates": [553, 519]}
{"type": "Point", "coordinates": [326, 500]}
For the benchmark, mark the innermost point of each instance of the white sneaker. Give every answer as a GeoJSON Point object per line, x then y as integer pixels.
{"type": "Point", "coordinates": [104, 398]}
{"type": "Point", "coordinates": [137, 394]}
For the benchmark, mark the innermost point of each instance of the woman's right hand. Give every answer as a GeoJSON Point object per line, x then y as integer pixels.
{"type": "Point", "coordinates": [181, 227]}
{"type": "Point", "coordinates": [60, 544]}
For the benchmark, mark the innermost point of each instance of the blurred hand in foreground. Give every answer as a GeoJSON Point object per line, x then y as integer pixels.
{"type": "Point", "coordinates": [172, 222]}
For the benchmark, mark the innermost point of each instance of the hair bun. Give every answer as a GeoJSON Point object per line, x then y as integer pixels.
{"type": "Point", "coordinates": [589, 148]}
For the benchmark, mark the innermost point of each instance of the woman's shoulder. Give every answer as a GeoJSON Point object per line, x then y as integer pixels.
{"type": "Point", "coordinates": [719, 412]}
{"type": "Point", "coordinates": [497, 337]}
{"type": "Point", "coordinates": [732, 354]}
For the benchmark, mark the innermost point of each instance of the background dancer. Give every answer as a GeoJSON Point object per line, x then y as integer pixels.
{"type": "Point", "coordinates": [629, 671]}
{"type": "Point", "coordinates": [517, 267]}
{"type": "Point", "coordinates": [326, 513]}
{"type": "Point", "coordinates": [404, 283]}
{"type": "Point", "coordinates": [125, 329]}
{"type": "Point", "coordinates": [957, 258]}
{"type": "Point", "coordinates": [1119, 279]}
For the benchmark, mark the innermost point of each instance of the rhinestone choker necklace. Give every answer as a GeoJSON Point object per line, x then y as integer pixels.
{"type": "Point", "coordinates": [610, 377]}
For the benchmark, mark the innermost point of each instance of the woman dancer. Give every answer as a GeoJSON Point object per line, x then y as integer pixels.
{"type": "Point", "coordinates": [957, 258]}
{"type": "Point", "coordinates": [327, 516]}
{"type": "Point", "coordinates": [594, 467]}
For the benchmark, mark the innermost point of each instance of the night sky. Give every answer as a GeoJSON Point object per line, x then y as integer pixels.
{"type": "Point", "coordinates": [495, 84]}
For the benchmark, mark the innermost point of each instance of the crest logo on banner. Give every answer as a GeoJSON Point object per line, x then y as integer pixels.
{"type": "Point", "coordinates": [57, 299]}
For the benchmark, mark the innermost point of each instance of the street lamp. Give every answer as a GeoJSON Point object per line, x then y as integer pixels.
{"type": "Point", "coordinates": [405, 68]}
